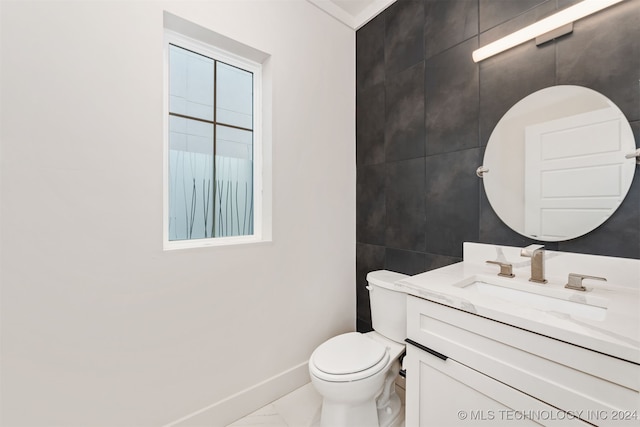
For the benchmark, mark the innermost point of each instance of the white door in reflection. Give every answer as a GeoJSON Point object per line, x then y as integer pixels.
{"type": "Point", "coordinates": [573, 173]}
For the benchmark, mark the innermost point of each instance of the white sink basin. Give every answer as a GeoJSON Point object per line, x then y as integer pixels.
{"type": "Point", "coordinates": [537, 297]}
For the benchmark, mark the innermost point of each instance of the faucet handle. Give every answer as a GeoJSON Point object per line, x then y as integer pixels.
{"type": "Point", "coordinates": [506, 269]}
{"type": "Point", "coordinates": [529, 250]}
{"type": "Point", "coordinates": [575, 281]}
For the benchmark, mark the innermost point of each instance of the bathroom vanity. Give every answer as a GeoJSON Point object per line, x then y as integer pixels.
{"type": "Point", "coordinates": [485, 349]}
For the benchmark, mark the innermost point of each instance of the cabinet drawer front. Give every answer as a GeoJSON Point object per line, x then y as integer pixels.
{"type": "Point", "coordinates": [477, 400]}
{"type": "Point", "coordinates": [566, 376]}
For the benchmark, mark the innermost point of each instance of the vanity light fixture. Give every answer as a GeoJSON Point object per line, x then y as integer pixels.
{"type": "Point", "coordinates": [544, 30]}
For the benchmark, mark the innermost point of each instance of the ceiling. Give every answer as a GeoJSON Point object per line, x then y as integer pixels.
{"type": "Point", "coordinates": [353, 13]}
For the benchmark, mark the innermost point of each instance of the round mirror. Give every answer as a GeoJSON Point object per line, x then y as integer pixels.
{"type": "Point", "coordinates": [555, 163]}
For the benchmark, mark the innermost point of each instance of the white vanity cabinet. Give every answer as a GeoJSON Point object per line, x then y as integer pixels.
{"type": "Point", "coordinates": [465, 369]}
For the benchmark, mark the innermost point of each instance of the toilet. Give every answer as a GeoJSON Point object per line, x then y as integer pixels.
{"type": "Point", "coordinates": [355, 373]}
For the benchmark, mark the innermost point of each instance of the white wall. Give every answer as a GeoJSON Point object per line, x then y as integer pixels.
{"type": "Point", "coordinates": [100, 327]}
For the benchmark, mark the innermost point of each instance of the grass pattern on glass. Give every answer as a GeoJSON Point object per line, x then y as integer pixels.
{"type": "Point", "coordinates": [220, 210]}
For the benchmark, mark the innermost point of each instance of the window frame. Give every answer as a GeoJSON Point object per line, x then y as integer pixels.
{"type": "Point", "coordinates": [177, 39]}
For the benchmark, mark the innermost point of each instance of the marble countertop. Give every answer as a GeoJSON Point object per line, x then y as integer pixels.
{"type": "Point", "coordinates": [612, 329]}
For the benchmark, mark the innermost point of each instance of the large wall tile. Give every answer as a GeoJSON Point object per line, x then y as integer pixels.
{"type": "Point", "coordinates": [405, 262]}
{"type": "Point", "coordinates": [495, 12]}
{"type": "Point", "coordinates": [434, 261]}
{"type": "Point", "coordinates": [363, 325]}
{"type": "Point", "coordinates": [404, 112]}
{"type": "Point", "coordinates": [448, 23]}
{"type": "Point", "coordinates": [370, 54]}
{"type": "Point", "coordinates": [603, 53]}
{"type": "Point", "coordinates": [403, 42]}
{"type": "Point", "coordinates": [370, 204]}
{"type": "Point", "coordinates": [510, 76]}
{"type": "Point", "coordinates": [405, 219]}
{"type": "Point", "coordinates": [368, 258]}
{"type": "Point", "coordinates": [370, 124]}
{"type": "Point", "coordinates": [563, 4]}
{"type": "Point", "coordinates": [518, 21]}
{"type": "Point", "coordinates": [451, 100]}
{"type": "Point", "coordinates": [452, 193]}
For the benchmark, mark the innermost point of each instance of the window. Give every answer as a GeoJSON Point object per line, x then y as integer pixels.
{"type": "Point", "coordinates": [212, 145]}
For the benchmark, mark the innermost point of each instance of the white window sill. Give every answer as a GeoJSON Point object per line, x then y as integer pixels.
{"type": "Point", "coordinates": [213, 242]}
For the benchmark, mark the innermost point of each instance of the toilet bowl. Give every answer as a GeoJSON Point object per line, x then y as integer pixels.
{"type": "Point", "coordinates": [355, 373]}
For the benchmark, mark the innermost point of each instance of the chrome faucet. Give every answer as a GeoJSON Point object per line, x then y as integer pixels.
{"type": "Point", "coordinates": [536, 253]}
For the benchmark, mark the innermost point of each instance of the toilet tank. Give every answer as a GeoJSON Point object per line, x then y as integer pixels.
{"type": "Point", "coordinates": [388, 305]}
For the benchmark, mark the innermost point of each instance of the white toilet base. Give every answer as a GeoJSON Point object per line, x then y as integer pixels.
{"type": "Point", "coordinates": [339, 414]}
{"type": "Point", "coordinates": [349, 405]}
{"type": "Point", "coordinates": [390, 415]}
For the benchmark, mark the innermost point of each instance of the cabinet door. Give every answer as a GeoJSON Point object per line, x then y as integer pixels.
{"type": "Point", "coordinates": [447, 393]}
{"type": "Point", "coordinates": [597, 387]}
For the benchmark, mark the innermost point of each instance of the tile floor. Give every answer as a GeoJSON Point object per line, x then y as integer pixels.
{"type": "Point", "coordinates": [300, 408]}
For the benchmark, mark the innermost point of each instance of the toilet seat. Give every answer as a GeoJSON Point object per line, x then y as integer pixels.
{"type": "Point", "coordinates": [348, 357]}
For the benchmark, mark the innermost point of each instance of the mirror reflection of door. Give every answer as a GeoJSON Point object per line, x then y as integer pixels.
{"type": "Point", "coordinates": [573, 173]}
{"type": "Point", "coordinates": [557, 162]}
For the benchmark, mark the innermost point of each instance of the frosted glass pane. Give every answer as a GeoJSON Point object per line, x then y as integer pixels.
{"type": "Point", "coordinates": [234, 197]}
{"type": "Point", "coordinates": [191, 179]}
{"type": "Point", "coordinates": [190, 135]}
{"type": "Point", "coordinates": [191, 83]}
{"type": "Point", "coordinates": [236, 143]}
{"type": "Point", "coordinates": [235, 96]}
{"type": "Point", "coordinates": [234, 182]}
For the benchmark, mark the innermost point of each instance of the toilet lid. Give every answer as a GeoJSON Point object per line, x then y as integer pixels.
{"type": "Point", "coordinates": [347, 354]}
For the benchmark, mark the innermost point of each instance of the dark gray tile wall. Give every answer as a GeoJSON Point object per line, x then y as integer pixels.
{"type": "Point", "coordinates": [425, 112]}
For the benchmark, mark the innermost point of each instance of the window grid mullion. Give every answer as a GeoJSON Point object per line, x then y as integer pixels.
{"type": "Point", "coordinates": [215, 140]}
{"type": "Point", "coordinates": [213, 122]}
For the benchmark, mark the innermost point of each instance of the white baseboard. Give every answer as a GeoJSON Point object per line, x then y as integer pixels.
{"type": "Point", "coordinates": [238, 405]}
